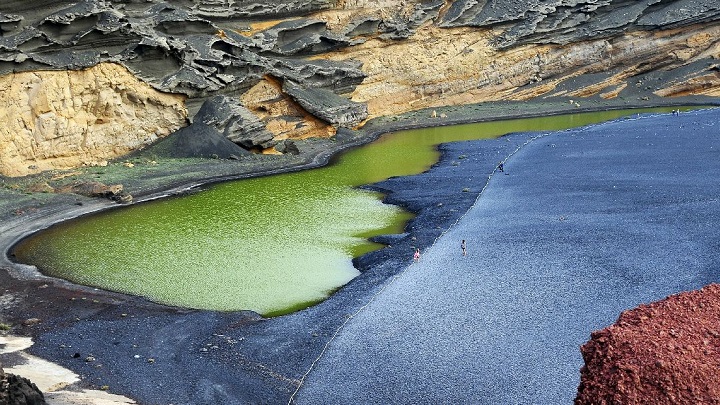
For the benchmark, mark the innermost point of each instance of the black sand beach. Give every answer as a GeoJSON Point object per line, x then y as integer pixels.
{"type": "Point", "coordinates": [582, 225]}
{"type": "Point", "coordinates": [538, 247]}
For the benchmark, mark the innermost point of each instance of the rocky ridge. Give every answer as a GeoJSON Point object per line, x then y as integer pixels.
{"type": "Point", "coordinates": [89, 81]}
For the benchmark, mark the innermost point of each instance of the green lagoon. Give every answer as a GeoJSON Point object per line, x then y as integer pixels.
{"type": "Point", "coordinates": [273, 244]}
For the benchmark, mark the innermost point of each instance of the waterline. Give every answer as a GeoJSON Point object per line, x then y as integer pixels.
{"type": "Point", "coordinates": [273, 244]}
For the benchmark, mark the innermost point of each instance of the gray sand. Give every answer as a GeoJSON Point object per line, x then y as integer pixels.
{"type": "Point", "coordinates": [586, 223]}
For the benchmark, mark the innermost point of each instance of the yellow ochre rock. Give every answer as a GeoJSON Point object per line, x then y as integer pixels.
{"type": "Point", "coordinates": [65, 119]}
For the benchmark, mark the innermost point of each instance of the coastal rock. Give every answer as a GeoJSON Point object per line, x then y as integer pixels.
{"type": "Point", "coordinates": [660, 353]}
{"type": "Point", "coordinates": [92, 189]}
{"type": "Point", "coordinates": [19, 390]}
{"type": "Point", "coordinates": [341, 63]}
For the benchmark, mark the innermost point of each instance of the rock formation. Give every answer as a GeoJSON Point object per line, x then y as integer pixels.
{"type": "Point", "coordinates": [662, 353]}
{"type": "Point", "coordinates": [299, 68]}
{"type": "Point", "coordinates": [92, 189]}
{"type": "Point", "coordinates": [71, 118]}
{"type": "Point", "coordinates": [19, 390]}
{"type": "Point", "coordinates": [235, 123]}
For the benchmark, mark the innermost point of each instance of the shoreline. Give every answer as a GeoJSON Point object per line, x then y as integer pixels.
{"type": "Point", "coordinates": [583, 224]}
{"type": "Point", "coordinates": [317, 155]}
{"type": "Point", "coordinates": [89, 311]}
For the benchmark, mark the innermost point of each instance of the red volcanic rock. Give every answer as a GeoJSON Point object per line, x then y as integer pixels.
{"type": "Point", "coordinates": [667, 352]}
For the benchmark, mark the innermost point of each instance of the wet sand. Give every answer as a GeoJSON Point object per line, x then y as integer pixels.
{"type": "Point", "coordinates": [157, 354]}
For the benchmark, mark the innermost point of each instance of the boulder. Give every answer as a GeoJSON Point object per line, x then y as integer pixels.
{"type": "Point", "coordinates": [287, 146]}
{"type": "Point", "coordinates": [19, 390]}
{"type": "Point", "coordinates": [92, 189]}
{"type": "Point", "coordinates": [326, 105]}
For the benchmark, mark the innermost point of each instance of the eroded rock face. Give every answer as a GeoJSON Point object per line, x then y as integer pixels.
{"type": "Point", "coordinates": [567, 21]}
{"type": "Point", "coordinates": [327, 106]}
{"type": "Point", "coordinates": [306, 68]}
{"type": "Point", "coordinates": [235, 123]}
{"type": "Point", "coordinates": [460, 66]}
{"type": "Point", "coordinates": [65, 119]}
{"type": "Point", "coordinates": [666, 352]}
{"type": "Point", "coordinates": [175, 47]}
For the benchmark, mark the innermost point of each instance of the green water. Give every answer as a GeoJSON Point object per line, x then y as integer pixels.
{"type": "Point", "coordinates": [273, 244]}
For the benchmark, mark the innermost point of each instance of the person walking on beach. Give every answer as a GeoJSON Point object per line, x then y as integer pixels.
{"type": "Point", "coordinates": [416, 256]}
{"type": "Point", "coordinates": [463, 246]}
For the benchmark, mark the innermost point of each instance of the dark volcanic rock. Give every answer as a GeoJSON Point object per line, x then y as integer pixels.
{"type": "Point", "coordinates": [339, 77]}
{"type": "Point", "coordinates": [327, 106]}
{"type": "Point", "coordinates": [19, 390]}
{"type": "Point", "coordinates": [254, 9]}
{"type": "Point", "coordinates": [565, 21]}
{"type": "Point", "coordinates": [235, 122]}
{"type": "Point", "coordinates": [198, 140]}
{"type": "Point", "coordinates": [300, 37]}
{"type": "Point", "coordinates": [172, 46]}
{"type": "Point", "coordinates": [287, 146]}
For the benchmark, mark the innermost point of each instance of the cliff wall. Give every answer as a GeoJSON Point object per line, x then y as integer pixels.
{"type": "Point", "coordinates": [66, 119]}
{"type": "Point", "coordinates": [442, 66]}
{"type": "Point", "coordinates": [298, 68]}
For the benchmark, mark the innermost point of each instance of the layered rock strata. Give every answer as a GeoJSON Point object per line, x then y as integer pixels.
{"type": "Point", "coordinates": [65, 119]}
{"type": "Point", "coordinates": [306, 68]}
{"type": "Point", "coordinates": [569, 21]}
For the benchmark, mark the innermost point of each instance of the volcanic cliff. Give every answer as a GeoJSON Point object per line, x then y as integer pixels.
{"type": "Point", "coordinates": [87, 81]}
